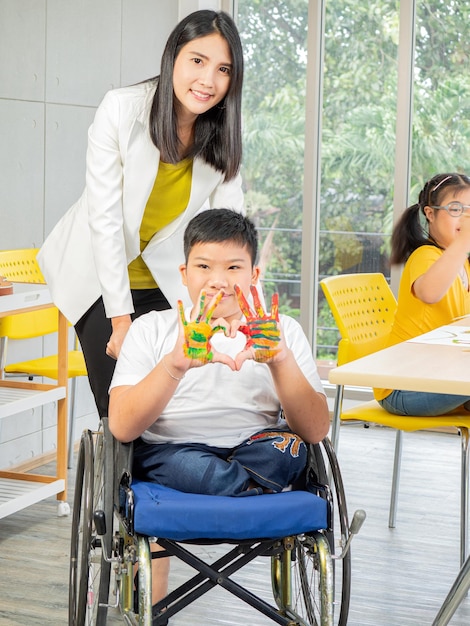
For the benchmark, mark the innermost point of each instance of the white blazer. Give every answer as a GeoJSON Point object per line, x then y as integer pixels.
{"type": "Point", "coordinates": [88, 251]}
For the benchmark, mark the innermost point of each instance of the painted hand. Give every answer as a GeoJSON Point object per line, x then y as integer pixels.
{"type": "Point", "coordinates": [197, 334]}
{"type": "Point", "coordinates": [262, 330]}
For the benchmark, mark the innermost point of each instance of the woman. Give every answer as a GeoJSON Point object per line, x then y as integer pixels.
{"type": "Point", "coordinates": [434, 287]}
{"type": "Point", "coordinates": [157, 155]}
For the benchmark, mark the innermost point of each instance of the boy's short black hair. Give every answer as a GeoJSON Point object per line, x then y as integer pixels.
{"type": "Point", "coordinates": [219, 225]}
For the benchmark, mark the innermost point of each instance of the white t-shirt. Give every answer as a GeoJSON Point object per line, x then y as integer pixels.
{"type": "Point", "coordinates": [212, 404]}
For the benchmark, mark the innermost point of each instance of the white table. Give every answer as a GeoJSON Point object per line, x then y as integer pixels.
{"type": "Point", "coordinates": [20, 489]}
{"type": "Point", "coordinates": [411, 366]}
{"type": "Point", "coordinates": [416, 366]}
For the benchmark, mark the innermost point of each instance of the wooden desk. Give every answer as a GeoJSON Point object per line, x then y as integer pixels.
{"type": "Point", "coordinates": [413, 366]}
{"type": "Point", "coordinates": [17, 489]}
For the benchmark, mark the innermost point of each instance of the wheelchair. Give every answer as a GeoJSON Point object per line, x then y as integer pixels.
{"type": "Point", "coordinates": [115, 519]}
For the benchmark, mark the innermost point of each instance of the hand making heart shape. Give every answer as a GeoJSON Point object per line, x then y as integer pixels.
{"type": "Point", "coordinates": [262, 331]}
{"type": "Point", "coordinates": [198, 333]}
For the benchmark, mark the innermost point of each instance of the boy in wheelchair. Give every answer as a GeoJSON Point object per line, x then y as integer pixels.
{"type": "Point", "coordinates": [200, 390]}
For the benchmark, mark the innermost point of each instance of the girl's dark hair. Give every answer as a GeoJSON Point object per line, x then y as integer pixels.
{"type": "Point", "coordinates": [219, 226]}
{"type": "Point", "coordinates": [409, 232]}
{"type": "Point", "coordinates": [217, 132]}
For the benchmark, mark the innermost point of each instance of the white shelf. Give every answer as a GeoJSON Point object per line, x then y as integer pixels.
{"type": "Point", "coordinates": [25, 296]}
{"type": "Point", "coordinates": [19, 490]}
{"type": "Point", "coordinates": [16, 495]}
{"type": "Point", "coordinates": [19, 493]}
{"type": "Point", "coordinates": [15, 400]}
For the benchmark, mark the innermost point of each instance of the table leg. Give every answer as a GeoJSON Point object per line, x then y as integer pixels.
{"type": "Point", "coordinates": [455, 596]}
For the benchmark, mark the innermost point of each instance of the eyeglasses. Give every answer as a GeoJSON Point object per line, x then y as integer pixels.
{"type": "Point", "coordinates": [455, 209]}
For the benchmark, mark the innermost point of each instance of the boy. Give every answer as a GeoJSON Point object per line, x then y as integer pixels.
{"type": "Point", "coordinates": [209, 392]}
{"type": "Point", "coordinates": [202, 397]}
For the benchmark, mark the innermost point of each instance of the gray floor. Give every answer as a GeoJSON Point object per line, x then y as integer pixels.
{"type": "Point", "coordinates": [400, 576]}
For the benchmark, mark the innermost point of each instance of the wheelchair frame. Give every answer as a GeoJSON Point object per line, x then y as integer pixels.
{"type": "Point", "coordinates": [303, 567]}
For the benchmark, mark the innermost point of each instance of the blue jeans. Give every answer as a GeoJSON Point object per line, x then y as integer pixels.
{"type": "Point", "coordinates": [421, 404]}
{"type": "Point", "coordinates": [270, 459]}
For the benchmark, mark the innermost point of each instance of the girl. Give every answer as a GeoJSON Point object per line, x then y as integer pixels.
{"type": "Point", "coordinates": [434, 287]}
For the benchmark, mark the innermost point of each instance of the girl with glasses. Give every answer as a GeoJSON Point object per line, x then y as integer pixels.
{"type": "Point", "coordinates": [432, 239]}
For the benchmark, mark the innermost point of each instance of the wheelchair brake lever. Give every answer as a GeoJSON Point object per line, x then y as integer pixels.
{"type": "Point", "coordinates": [355, 526]}
{"type": "Point", "coordinates": [99, 519]}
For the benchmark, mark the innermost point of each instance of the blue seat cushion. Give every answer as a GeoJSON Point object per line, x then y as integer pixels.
{"type": "Point", "coordinates": [170, 514]}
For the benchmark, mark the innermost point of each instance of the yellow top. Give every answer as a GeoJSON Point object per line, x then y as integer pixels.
{"type": "Point", "coordinates": [168, 199]}
{"type": "Point", "coordinates": [414, 317]}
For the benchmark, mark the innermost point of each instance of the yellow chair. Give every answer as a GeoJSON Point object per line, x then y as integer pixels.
{"type": "Point", "coordinates": [20, 266]}
{"type": "Point", "coordinates": [363, 306]}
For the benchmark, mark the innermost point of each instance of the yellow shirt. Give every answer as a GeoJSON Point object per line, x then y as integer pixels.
{"type": "Point", "coordinates": [414, 317]}
{"type": "Point", "coordinates": [168, 199]}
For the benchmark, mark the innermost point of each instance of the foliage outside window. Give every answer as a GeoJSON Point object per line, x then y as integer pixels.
{"type": "Point", "coordinates": [358, 130]}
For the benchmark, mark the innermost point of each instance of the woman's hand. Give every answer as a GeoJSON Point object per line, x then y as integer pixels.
{"type": "Point", "coordinates": [121, 325]}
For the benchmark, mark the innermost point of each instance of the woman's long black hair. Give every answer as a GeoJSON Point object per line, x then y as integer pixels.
{"type": "Point", "coordinates": [409, 233]}
{"type": "Point", "coordinates": [217, 132]}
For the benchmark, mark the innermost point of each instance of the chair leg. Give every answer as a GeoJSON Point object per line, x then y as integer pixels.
{"type": "Point", "coordinates": [464, 477]}
{"type": "Point", "coordinates": [3, 356]}
{"type": "Point", "coordinates": [395, 480]}
{"type": "Point", "coordinates": [71, 413]}
{"type": "Point", "coordinates": [336, 422]}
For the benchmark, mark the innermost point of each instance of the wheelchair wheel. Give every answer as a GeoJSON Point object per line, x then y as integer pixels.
{"type": "Point", "coordinates": [342, 566]}
{"type": "Point", "coordinates": [302, 580]}
{"type": "Point", "coordinates": [301, 575]}
{"type": "Point", "coordinates": [89, 572]}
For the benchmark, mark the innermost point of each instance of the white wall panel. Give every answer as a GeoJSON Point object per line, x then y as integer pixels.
{"type": "Point", "coordinates": [66, 142]}
{"type": "Point", "coordinates": [146, 25]}
{"type": "Point", "coordinates": [15, 451]}
{"type": "Point", "coordinates": [23, 350]}
{"type": "Point", "coordinates": [22, 49]}
{"type": "Point", "coordinates": [188, 6]}
{"type": "Point", "coordinates": [22, 173]}
{"type": "Point", "coordinates": [57, 60]}
{"type": "Point", "coordinates": [14, 427]}
{"type": "Point", "coordinates": [83, 50]}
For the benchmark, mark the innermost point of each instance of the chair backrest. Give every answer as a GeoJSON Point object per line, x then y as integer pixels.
{"type": "Point", "coordinates": [21, 266]}
{"type": "Point", "coordinates": [29, 325]}
{"type": "Point", "coordinates": [363, 306]}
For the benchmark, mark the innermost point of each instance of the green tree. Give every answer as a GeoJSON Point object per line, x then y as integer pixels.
{"type": "Point", "coordinates": [358, 123]}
